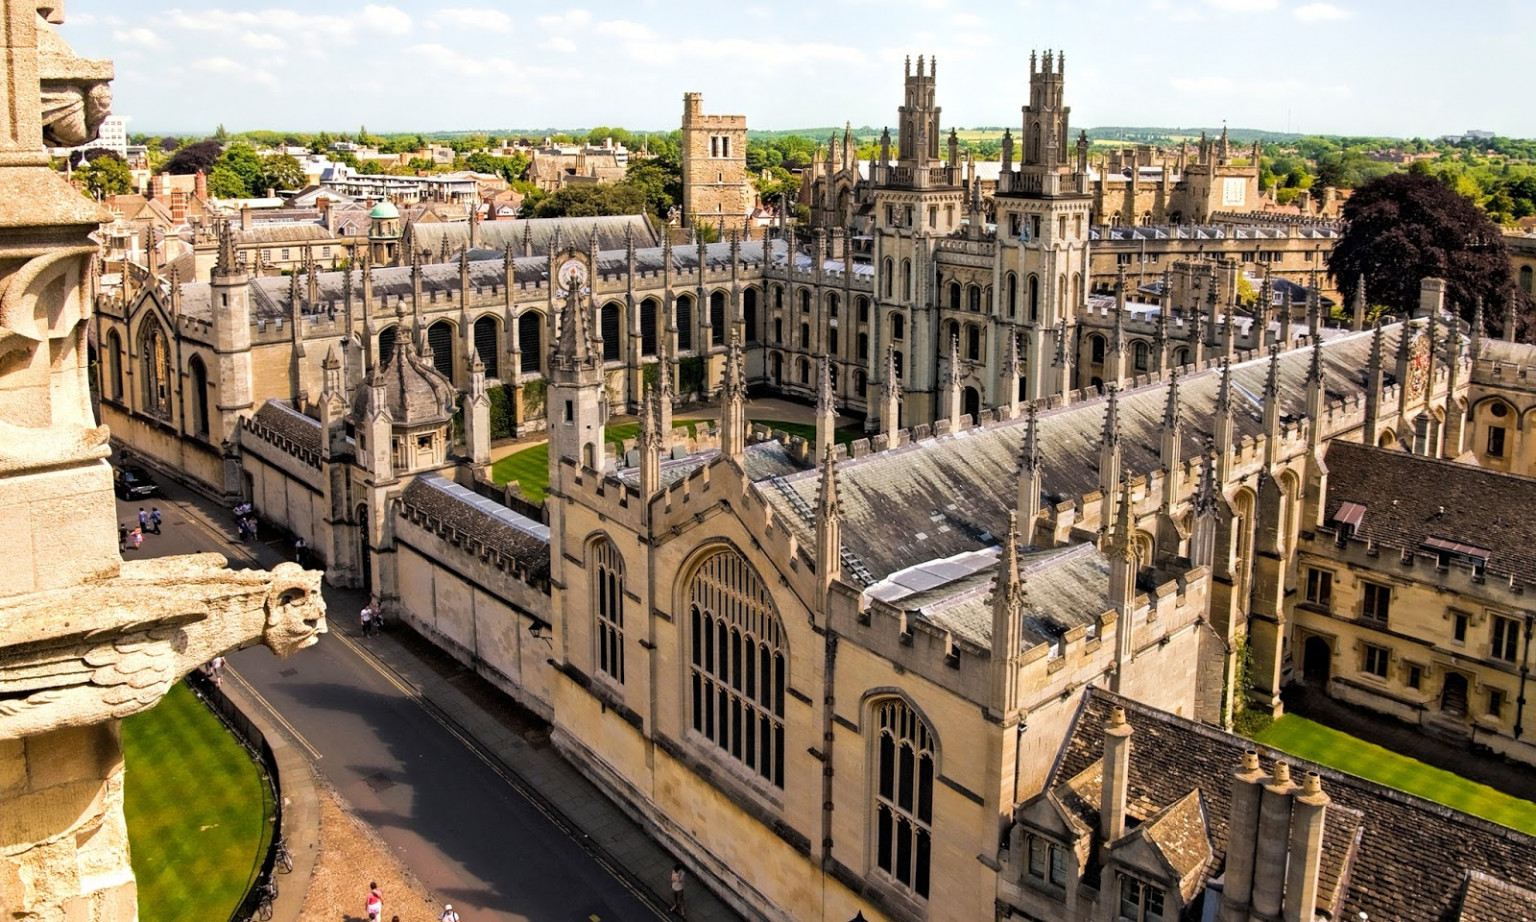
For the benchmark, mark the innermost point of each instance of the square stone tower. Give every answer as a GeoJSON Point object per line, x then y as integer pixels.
{"type": "Point", "coordinates": [715, 182]}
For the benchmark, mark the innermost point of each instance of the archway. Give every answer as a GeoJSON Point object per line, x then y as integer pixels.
{"type": "Point", "coordinates": [1316, 662]}
{"type": "Point", "coordinates": [970, 402]}
{"type": "Point", "coordinates": [440, 341]}
{"type": "Point", "coordinates": [1453, 695]}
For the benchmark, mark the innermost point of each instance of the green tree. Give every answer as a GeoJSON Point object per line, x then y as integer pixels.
{"type": "Point", "coordinates": [281, 171]}
{"type": "Point", "coordinates": [224, 182]}
{"type": "Point", "coordinates": [198, 156]}
{"type": "Point", "coordinates": [104, 174]}
{"type": "Point", "coordinates": [1405, 227]}
{"type": "Point", "coordinates": [660, 180]}
{"type": "Point", "coordinates": [242, 160]}
{"type": "Point", "coordinates": [589, 199]}
{"type": "Point", "coordinates": [219, 134]}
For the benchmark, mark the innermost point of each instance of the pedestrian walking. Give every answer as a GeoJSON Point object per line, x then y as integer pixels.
{"type": "Point", "coordinates": [137, 536]}
{"type": "Point", "coordinates": [122, 537]}
{"type": "Point", "coordinates": [678, 905]}
{"type": "Point", "coordinates": [366, 617]}
{"type": "Point", "coordinates": [298, 551]}
{"type": "Point", "coordinates": [216, 670]}
{"type": "Point", "coordinates": [253, 523]}
{"type": "Point", "coordinates": [143, 519]}
{"type": "Point", "coordinates": [374, 904]}
{"type": "Point", "coordinates": [245, 533]}
{"type": "Point", "coordinates": [448, 914]}
{"type": "Point", "coordinates": [154, 518]}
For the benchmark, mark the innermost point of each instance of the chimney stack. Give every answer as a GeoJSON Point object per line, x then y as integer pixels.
{"type": "Point", "coordinates": [1309, 808]}
{"type": "Point", "coordinates": [1242, 832]}
{"type": "Point", "coordinates": [1115, 775]}
{"type": "Point", "coordinates": [1273, 842]}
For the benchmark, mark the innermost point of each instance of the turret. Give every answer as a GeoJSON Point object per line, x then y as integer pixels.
{"type": "Point", "coordinates": [733, 398]}
{"type": "Point", "coordinates": [574, 396]}
{"type": "Point", "coordinates": [333, 405]}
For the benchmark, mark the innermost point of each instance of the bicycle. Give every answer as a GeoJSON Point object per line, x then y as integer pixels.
{"type": "Point", "coordinates": [263, 911]}
{"type": "Point", "coordinates": [282, 859]}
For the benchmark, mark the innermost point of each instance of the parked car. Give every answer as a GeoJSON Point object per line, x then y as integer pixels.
{"type": "Point", "coordinates": [133, 483]}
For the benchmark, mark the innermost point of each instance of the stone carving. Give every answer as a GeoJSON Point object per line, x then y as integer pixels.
{"type": "Point", "coordinates": [76, 91]}
{"type": "Point", "coordinates": [108, 649]}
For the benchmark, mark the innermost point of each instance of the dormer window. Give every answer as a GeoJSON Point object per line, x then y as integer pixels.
{"type": "Point", "coordinates": [1140, 901]}
{"type": "Point", "coordinates": [1047, 861]}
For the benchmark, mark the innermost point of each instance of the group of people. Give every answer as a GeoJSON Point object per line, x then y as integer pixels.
{"type": "Point", "coordinates": [149, 524]}
{"type": "Point", "coordinates": [246, 522]}
{"type": "Point", "coordinates": [372, 617]}
{"type": "Point", "coordinates": [373, 905]}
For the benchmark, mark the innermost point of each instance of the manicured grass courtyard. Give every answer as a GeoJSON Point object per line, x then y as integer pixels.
{"type": "Point", "coordinates": [1317, 743]}
{"type": "Point", "coordinates": [530, 467]}
{"type": "Point", "coordinates": [807, 431]}
{"type": "Point", "coordinates": [197, 811]}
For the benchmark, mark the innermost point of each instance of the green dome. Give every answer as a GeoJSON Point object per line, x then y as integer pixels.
{"type": "Point", "coordinates": [384, 211]}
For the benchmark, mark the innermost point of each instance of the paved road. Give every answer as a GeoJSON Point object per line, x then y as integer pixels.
{"type": "Point", "coordinates": [448, 813]}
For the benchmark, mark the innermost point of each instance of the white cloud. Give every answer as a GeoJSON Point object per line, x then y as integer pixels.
{"type": "Point", "coordinates": [387, 19]}
{"type": "Point", "coordinates": [1320, 12]}
{"type": "Point", "coordinates": [1244, 6]}
{"type": "Point", "coordinates": [559, 44]}
{"type": "Point", "coordinates": [626, 30]}
{"type": "Point", "coordinates": [80, 19]}
{"type": "Point", "coordinates": [570, 19]}
{"type": "Point", "coordinates": [139, 36]}
{"type": "Point", "coordinates": [476, 20]}
{"type": "Point", "coordinates": [263, 41]}
{"type": "Point", "coordinates": [243, 72]}
{"type": "Point", "coordinates": [969, 20]}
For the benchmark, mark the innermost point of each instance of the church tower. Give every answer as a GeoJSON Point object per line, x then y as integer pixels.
{"type": "Point", "coordinates": [576, 407]}
{"type": "Point", "coordinates": [1043, 208]}
{"type": "Point", "coordinates": [916, 200]}
{"type": "Point", "coordinates": [714, 155]}
{"type": "Point", "coordinates": [230, 291]}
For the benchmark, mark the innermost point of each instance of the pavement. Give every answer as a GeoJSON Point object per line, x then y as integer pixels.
{"type": "Point", "coordinates": [458, 780]}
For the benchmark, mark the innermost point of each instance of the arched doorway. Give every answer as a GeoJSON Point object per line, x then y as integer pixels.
{"type": "Point", "coordinates": [970, 402]}
{"type": "Point", "coordinates": [1453, 695]}
{"type": "Point", "coordinates": [1316, 662]}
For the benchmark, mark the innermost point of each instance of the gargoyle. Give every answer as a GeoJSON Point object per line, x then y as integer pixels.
{"type": "Point", "coordinates": [76, 91]}
{"type": "Point", "coordinates": [111, 648]}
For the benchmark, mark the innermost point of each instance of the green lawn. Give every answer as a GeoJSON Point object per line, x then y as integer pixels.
{"type": "Point", "coordinates": [530, 467]}
{"type": "Point", "coordinates": [197, 811]}
{"type": "Point", "coordinates": [1317, 743]}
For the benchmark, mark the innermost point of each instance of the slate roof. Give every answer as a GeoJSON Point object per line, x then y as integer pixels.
{"type": "Point", "coordinates": [289, 423]}
{"type": "Point", "coordinates": [1180, 835]}
{"type": "Point", "coordinates": [1407, 859]}
{"type": "Point", "coordinates": [278, 233]}
{"type": "Point", "coordinates": [1410, 499]}
{"type": "Point", "coordinates": [1488, 899]}
{"type": "Point", "coordinates": [940, 497]}
{"type": "Point", "coordinates": [612, 233]}
{"type": "Point", "coordinates": [465, 514]}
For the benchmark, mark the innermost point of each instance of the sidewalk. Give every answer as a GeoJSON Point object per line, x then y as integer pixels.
{"type": "Point", "coordinates": [511, 739]}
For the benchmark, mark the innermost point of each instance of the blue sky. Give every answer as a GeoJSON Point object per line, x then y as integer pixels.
{"type": "Point", "coordinates": [1412, 67]}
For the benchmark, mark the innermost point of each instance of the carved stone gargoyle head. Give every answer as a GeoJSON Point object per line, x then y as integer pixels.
{"type": "Point", "coordinates": [76, 91]}
{"type": "Point", "coordinates": [295, 609]}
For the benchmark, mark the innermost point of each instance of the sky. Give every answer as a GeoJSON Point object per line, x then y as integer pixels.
{"type": "Point", "coordinates": [1408, 68]}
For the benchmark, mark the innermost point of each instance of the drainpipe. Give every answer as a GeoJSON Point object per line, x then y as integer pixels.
{"type": "Point", "coordinates": [1525, 673]}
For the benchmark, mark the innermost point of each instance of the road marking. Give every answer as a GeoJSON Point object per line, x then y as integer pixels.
{"type": "Point", "coordinates": [266, 705]}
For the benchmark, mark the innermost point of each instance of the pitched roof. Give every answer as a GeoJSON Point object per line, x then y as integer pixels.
{"type": "Point", "coordinates": [1406, 858]}
{"type": "Point", "coordinates": [303, 431]}
{"type": "Point", "coordinates": [921, 501]}
{"type": "Point", "coordinates": [1412, 501]}
{"type": "Point", "coordinates": [612, 234]}
{"type": "Point", "coordinates": [1488, 899]}
{"type": "Point", "coordinates": [460, 513]}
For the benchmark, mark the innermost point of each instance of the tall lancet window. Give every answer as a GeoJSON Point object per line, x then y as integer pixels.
{"type": "Point", "coordinates": [739, 665]}
{"type": "Point", "coordinates": [608, 600]}
{"type": "Point", "coordinates": [904, 765]}
{"type": "Point", "coordinates": [155, 366]}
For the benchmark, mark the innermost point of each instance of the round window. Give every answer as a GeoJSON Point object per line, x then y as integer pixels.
{"type": "Point", "coordinates": [1499, 410]}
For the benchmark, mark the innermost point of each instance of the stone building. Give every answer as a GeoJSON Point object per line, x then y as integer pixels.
{"type": "Point", "coordinates": [1140, 185]}
{"type": "Point", "coordinates": [716, 189]}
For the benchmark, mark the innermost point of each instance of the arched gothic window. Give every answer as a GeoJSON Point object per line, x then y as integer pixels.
{"type": "Point", "coordinates": [1139, 355]}
{"type": "Point", "coordinates": [1034, 298]}
{"type": "Point", "coordinates": [684, 324]}
{"type": "Point", "coordinates": [114, 365]}
{"type": "Point", "coordinates": [906, 279]}
{"type": "Point", "coordinates": [530, 336]}
{"type": "Point", "coordinates": [155, 369]}
{"type": "Point", "coordinates": [904, 769]}
{"type": "Point", "coordinates": [608, 603]}
{"type": "Point", "coordinates": [648, 309]}
{"type": "Point", "coordinates": [197, 394]}
{"type": "Point", "coordinates": [440, 336]}
{"type": "Point", "coordinates": [1013, 294]}
{"type": "Point", "coordinates": [613, 341]}
{"type": "Point", "coordinates": [488, 345]}
{"type": "Point", "coordinates": [739, 664]}
{"type": "Point", "coordinates": [887, 276]}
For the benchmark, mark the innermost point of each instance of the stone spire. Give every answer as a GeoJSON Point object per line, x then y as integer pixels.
{"type": "Point", "coordinates": [829, 525]}
{"type": "Point", "coordinates": [1008, 602]}
{"type": "Point", "coordinates": [952, 383]}
{"type": "Point", "coordinates": [1224, 434]}
{"type": "Point", "coordinates": [1011, 376]}
{"type": "Point", "coordinates": [1316, 394]}
{"type": "Point", "coordinates": [1358, 322]}
{"type": "Point", "coordinates": [1373, 382]}
{"type": "Point", "coordinates": [1265, 312]}
{"type": "Point", "coordinates": [1063, 363]}
{"type": "Point", "coordinates": [651, 445]}
{"type": "Point", "coordinates": [1202, 537]}
{"type": "Point", "coordinates": [890, 398]}
{"type": "Point", "coordinates": [826, 404]}
{"type": "Point", "coordinates": [573, 347]}
{"type": "Point", "coordinates": [1109, 454]}
{"type": "Point", "coordinates": [1197, 336]}
{"type": "Point", "coordinates": [1173, 443]}
{"type": "Point", "coordinates": [733, 400]}
{"type": "Point", "coordinates": [226, 264]}
{"type": "Point", "coordinates": [1160, 335]}
{"type": "Point", "coordinates": [1031, 466]}
{"type": "Point", "coordinates": [1509, 320]}
{"type": "Point", "coordinates": [1272, 406]}
{"type": "Point", "coordinates": [477, 412]}
{"type": "Point", "coordinates": [1122, 582]}
{"type": "Point", "coordinates": [1116, 370]}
